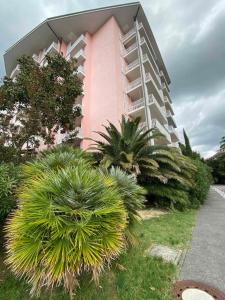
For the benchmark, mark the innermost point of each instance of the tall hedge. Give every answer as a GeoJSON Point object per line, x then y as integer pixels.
{"type": "Point", "coordinates": [202, 179]}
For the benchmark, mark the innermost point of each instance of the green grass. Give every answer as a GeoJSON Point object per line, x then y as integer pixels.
{"type": "Point", "coordinates": [143, 278]}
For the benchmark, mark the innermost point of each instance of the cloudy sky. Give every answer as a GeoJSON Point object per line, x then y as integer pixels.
{"type": "Point", "coordinates": [190, 35]}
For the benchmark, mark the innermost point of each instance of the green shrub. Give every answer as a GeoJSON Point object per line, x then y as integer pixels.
{"type": "Point", "coordinates": [132, 194]}
{"type": "Point", "coordinates": [9, 178]}
{"type": "Point", "coordinates": [202, 180]}
{"type": "Point", "coordinates": [56, 158]}
{"type": "Point", "coordinates": [217, 166]}
{"type": "Point", "coordinates": [68, 222]}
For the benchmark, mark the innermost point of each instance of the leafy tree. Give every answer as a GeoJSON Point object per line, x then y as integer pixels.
{"type": "Point", "coordinates": [9, 180]}
{"type": "Point", "coordinates": [222, 143]}
{"type": "Point", "coordinates": [35, 106]}
{"type": "Point", "coordinates": [68, 222]}
{"type": "Point", "coordinates": [217, 166]}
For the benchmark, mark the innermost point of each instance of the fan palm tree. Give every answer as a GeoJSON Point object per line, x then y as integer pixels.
{"type": "Point", "coordinates": [68, 222]}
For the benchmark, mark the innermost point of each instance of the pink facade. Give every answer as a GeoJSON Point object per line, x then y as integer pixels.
{"type": "Point", "coordinates": [119, 63]}
{"type": "Point", "coordinates": [104, 97]}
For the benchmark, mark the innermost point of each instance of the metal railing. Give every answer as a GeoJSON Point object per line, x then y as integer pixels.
{"type": "Point", "coordinates": [129, 49]}
{"type": "Point", "coordinates": [132, 65]}
{"type": "Point", "coordinates": [128, 34]}
{"type": "Point", "coordinates": [136, 105]}
{"type": "Point", "coordinates": [52, 47]}
{"type": "Point", "coordinates": [134, 83]}
{"type": "Point", "coordinates": [71, 47]}
{"type": "Point", "coordinates": [15, 71]}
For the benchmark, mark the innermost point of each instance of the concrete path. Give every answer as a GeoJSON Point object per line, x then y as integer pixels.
{"type": "Point", "coordinates": [205, 260]}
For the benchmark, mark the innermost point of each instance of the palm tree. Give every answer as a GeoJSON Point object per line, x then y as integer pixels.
{"type": "Point", "coordinates": [129, 148]}
{"type": "Point", "coordinates": [163, 170]}
{"type": "Point", "coordinates": [68, 222]}
{"type": "Point", "coordinates": [132, 194]}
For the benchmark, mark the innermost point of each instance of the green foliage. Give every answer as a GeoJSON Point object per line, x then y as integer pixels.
{"type": "Point", "coordinates": [174, 192]}
{"type": "Point", "coordinates": [58, 157]}
{"type": "Point", "coordinates": [186, 148]}
{"type": "Point", "coordinates": [68, 222]}
{"type": "Point", "coordinates": [202, 180]}
{"type": "Point", "coordinates": [131, 193]}
{"type": "Point", "coordinates": [167, 174]}
{"type": "Point", "coordinates": [9, 178]}
{"type": "Point", "coordinates": [37, 105]}
{"type": "Point", "coordinates": [222, 143]}
{"type": "Point", "coordinates": [127, 148]}
{"type": "Point", "coordinates": [217, 166]}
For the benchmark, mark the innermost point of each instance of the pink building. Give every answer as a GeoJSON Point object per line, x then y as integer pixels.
{"type": "Point", "coordinates": [118, 60]}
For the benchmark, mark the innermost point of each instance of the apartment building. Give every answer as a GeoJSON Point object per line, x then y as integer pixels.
{"type": "Point", "coordinates": [119, 62]}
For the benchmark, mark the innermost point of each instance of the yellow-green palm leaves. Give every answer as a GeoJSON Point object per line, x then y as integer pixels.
{"type": "Point", "coordinates": [69, 221]}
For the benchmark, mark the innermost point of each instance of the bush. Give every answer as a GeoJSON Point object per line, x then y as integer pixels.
{"type": "Point", "coordinates": [9, 178]}
{"type": "Point", "coordinates": [68, 222]}
{"type": "Point", "coordinates": [132, 194]}
{"type": "Point", "coordinates": [217, 166]}
{"type": "Point", "coordinates": [56, 158]}
{"type": "Point", "coordinates": [202, 180]}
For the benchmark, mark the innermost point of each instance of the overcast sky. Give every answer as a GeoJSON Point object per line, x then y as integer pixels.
{"type": "Point", "coordinates": [191, 37]}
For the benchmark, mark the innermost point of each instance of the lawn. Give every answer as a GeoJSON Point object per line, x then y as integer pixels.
{"type": "Point", "coordinates": [134, 276]}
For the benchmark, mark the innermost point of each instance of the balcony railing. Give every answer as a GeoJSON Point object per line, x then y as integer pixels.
{"type": "Point", "coordinates": [143, 126]}
{"type": "Point", "coordinates": [73, 48]}
{"type": "Point", "coordinates": [132, 65]}
{"type": "Point", "coordinates": [136, 105]}
{"type": "Point", "coordinates": [15, 71]}
{"type": "Point", "coordinates": [35, 58]}
{"type": "Point", "coordinates": [156, 124]}
{"type": "Point", "coordinates": [129, 49]}
{"type": "Point", "coordinates": [155, 74]}
{"type": "Point", "coordinates": [152, 59]}
{"type": "Point", "coordinates": [165, 87]}
{"type": "Point", "coordinates": [134, 83]}
{"type": "Point", "coordinates": [128, 34]}
{"type": "Point", "coordinates": [53, 48]}
{"type": "Point", "coordinates": [162, 109]}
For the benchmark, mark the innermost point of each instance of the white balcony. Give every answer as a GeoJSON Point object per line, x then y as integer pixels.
{"type": "Point", "coordinates": [35, 58]}
{"type": "Point", "coordinates": [158, 112]}
{"type": "Point", "coordinates": [151, 70]}
{"type": "Point", "coordinates": [80, 56]}
{"type": "Point", "coordinates": [157, 125]}
{"type": "Point", "coordinates": [128, 35]}
{"type": "Point", "coordinates": [170, 119]}
{"type": "Point", "coordinates": [133, 86]}
{"type": "Point", "coordinates": [80, 72]}
{"type": "Point", "coordinates": [173, 134]}
{"type": "Point", "coordinates": [165, 89]}
{"type": "Point", "coordinates": [168, 105]}
{"type": "Point", "coordinates": [73, 48]}
{"type": "Point", "coordinates": [52, 49]}
{"type": "Point", "coordinates": [15, 72]}
{"type": "Point", "coordinates": [146, 49]}
{"type": "Point", "coordinates": [137, 108]}
{"type": "Point", "coordinates": [152, 88]}
{"type": "Point", "coordinates": [129, 49]}
{"type": "Point", "coordinates": [143, 126]}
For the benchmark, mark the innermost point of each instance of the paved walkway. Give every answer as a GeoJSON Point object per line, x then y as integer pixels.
{"type": "Point", "coordinates": [205, 260]}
